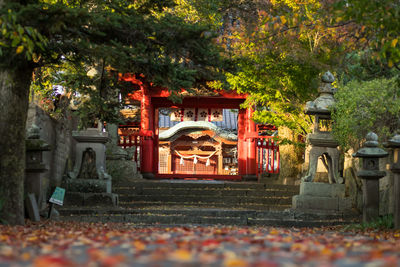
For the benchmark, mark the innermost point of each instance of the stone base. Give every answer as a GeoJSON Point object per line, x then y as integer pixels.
{"type": "Point", "coordinates": [322, 197]}
{"type": "Point", "coordinates": [88, 185]}
{"type": "Point", "coordinates": [321, 204]}
{"type": "Point", "coordinates": [90, 199]}
{"type": "Point", "coordinates": [322, 189]}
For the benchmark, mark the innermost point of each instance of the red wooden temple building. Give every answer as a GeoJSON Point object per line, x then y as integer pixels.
{"type": "Point", "coordinates": [195, 146]}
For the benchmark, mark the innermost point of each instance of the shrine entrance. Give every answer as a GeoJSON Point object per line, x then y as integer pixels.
{"type": "Point", "coordinates": [188, 146]}
{"type": "Point", "coordinates": [194, 148]}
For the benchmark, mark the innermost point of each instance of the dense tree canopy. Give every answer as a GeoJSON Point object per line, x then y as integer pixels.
{"type": "Point", "coordinates": [280, 48]}
{"type": "Point", "coordinates": [367, 99]}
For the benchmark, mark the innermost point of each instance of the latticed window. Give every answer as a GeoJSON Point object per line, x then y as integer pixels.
{"type": "Point", "coordinates": [163, 162]}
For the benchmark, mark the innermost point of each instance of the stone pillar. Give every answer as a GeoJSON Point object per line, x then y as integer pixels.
{"type": "Point", "coordinates": [34, 164]}
{"type": "Point", "coordinates": [370, 200]}
{"type": "Point", "coordinates": [395, 168]}
{"type": "Point", "coordinates": [370, 174]}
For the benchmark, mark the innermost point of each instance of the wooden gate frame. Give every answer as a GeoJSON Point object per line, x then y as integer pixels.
{"type": "Point", "coordinates": [151, 98]}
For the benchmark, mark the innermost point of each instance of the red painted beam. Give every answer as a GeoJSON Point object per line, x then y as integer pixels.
{"type": "Point", "coordinates": [199, 102]}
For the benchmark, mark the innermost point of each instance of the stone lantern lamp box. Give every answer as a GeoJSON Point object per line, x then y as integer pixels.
{"type": "Point", "coordinates": [58, 196]}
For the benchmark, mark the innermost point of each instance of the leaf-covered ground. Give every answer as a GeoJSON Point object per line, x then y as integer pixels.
{"type": "Point", "coordinates": [84, 244]}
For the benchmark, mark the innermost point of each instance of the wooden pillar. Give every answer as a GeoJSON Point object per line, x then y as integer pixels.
{"type": "Point", "coordinates": [241, 145]}
{"type": "Point", "coordinates": [156, 149]}
{"type": "Point", "coordinates": [147, 127]}
{"type": "Point", "coordinates": [251, 144]}
{"type": "Point", "coordinates": [250, 147]}
{"type": "Point", "coordinates": [169, 161]}
{"type": "Point", "coordinates": [220, 160]}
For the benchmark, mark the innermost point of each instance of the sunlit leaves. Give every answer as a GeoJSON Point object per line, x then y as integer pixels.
{"type": "Point", "coordinates": [16, 38]}
{"type": "Point", "coordinates": [279, 56]}
{"type": "Point", "coordinates": [378, 23]}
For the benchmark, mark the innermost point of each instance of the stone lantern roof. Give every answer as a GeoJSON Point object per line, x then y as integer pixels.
{"type": "Point", "coordinates": [323, 103]}
{"type": "Point", "coordinates": [371, 149]}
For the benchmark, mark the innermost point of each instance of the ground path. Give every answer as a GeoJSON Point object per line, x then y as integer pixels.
{"type": "Point", "coordinates": [85, 244]}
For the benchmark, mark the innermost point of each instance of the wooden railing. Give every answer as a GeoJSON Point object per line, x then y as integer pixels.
{"type": "Point", "coordinates": [268, 158]}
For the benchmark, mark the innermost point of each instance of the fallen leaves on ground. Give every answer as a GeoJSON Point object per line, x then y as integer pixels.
{"type": "Point", "coordinates": [57, 244]}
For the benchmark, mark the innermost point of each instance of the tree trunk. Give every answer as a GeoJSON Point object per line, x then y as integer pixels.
{"type": "Point", "coordinates": [14, 99]}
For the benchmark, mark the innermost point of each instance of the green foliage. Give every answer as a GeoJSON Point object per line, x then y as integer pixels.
{"type": "Point", "coordinates": [361, 65]}
{"type": "Point", "coordinates": [376, 25]}
{"type": "Point", "coordinates": [278, 85]}
{"type": "Point", "coordinates": [280, 49]}
{"type": "Point", "coordinates": [382, 223]}
{"type": "Point", "coordinates": [363, 106]}
{"type": "Point", "coordinates": [21, 41]}
{"type": "Point", "coordinates": [63, 40]}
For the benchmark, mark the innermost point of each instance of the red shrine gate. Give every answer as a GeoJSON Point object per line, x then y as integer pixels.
{"type": "Point", "coordinates": [249, 147]}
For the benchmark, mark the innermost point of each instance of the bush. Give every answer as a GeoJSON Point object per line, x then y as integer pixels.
{"type": "Point", "coordinates": [363, 106]}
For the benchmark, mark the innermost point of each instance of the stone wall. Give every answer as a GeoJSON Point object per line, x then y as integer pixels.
{"type": "Point", "coordinates": [386, 186]}
{"type": "Point", "coordinates": [291, 160]}
{"type": "Point", "coordinates": [57, 133]}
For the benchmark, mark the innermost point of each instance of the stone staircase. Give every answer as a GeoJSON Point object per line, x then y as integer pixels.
{"type": "Point", "coordinates": [180, 202]}
{"type": "Point", "coordinates": [238, 195]}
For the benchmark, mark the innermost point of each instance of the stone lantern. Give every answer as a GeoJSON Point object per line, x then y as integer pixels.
{"type": "Point", "coordinates": [328, 198]}
{"type": "Point", "coordinates": [370, 174]}
{"type": "Point", "coordinates": [34, 163]}
{"type": "Point", "coordinates": [394, 143]}
{"type": "Point", "coordinates": [89, 184]}
{"type": "Point", "coordinates": [321, 140]}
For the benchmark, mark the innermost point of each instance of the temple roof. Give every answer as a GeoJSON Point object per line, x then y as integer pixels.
{"type": "Point", "coordinates": [193, 125]}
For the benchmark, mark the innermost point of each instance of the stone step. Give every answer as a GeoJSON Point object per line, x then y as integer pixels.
{"type": "Point", "coordinates": [205, 212]}
{"type": "Point", "coordinates": [157, 219]}
{"type": "Point", "coordinates": [124, 200]}
{"type": "Point", "coordinates": [204, 217]}
{"type": "Point", "coordinates": [205, 192]}
{"type": "Point", "coordinates": [203, 185]}
{"type": "Point", "coordinates": [243, 195]}
{"type": "Point", "coordinates": [154, 204]}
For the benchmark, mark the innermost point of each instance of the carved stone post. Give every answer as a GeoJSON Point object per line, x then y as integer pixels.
{"type": "Point", "coordinates": [370, 174]}
{"type": "Point", "coordinates": [34, 164]}
{"type": "Point", "coordinates": [395, 168]}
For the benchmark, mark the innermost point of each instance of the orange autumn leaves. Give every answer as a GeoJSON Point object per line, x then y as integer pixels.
{"type": "Point", "coordinates": [83, 244]}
